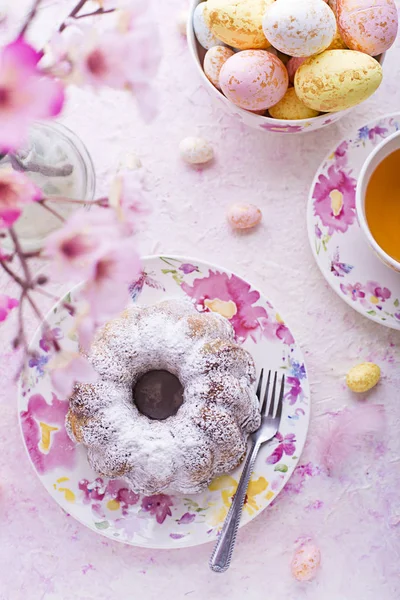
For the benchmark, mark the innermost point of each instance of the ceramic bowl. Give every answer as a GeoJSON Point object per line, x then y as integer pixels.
{"type": "Point", "coordinates": [246, 117]}
{"type": "Point", "coordinates": [386, 147]}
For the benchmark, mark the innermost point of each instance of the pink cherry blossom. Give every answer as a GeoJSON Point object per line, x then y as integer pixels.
{"type": "Point", "coordinates": [6, 305]}
{"type": "Point", "coordinates": [68, 368]}
{"type": "Point", "coordinates": [107, 291]}
{"type": "Point", "coordinates": [158, 506]}
{"type": "Point", "coordinates": [26, 94]}
{"type": "Point", "coordinates": [127, 197]}
{"type": "Point", "coordinates": [16, 190]}
{"type": "Point", "coordinates": [77, 246]}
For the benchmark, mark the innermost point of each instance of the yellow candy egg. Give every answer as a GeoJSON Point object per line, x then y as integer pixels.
{"type": "Point", "coordinates": [290, 107]}
{"type": "Point", "coordinates": [363, 377]}
{"type": "Point", "coordinates": [213, 61]}
{"type": "Point", "coordinates": [244, 216]}
{"type": "Point", "coordinates": [305, 562]}
{"type": "Point", "coordinates": [337, 42]}
{"type": "Point", "coordinates": [337, 79]}
{"type": "Point", "coordinates": [238, 23]}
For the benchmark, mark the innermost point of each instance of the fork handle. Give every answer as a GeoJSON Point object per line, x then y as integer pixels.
{"type": "Point", "coordinates": [222, 554]}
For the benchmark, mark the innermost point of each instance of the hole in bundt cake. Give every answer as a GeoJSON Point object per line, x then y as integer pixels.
{"type": "Point", "coordinates": [158, 395]}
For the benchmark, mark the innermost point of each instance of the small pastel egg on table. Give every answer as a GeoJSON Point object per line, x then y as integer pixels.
{"type": "Point", "coordinates": [244, 216]}
{"type": "Point", "coordinates": [367, 25]}
{"type": "Point", "coordinates": [203, 34]}
{"type": "Point", "coordinates": [254, 79]}
{"type": "Point", "coordinates": [306, 562]}
{"type": "Point", "coordinates": [196, 150]}
{"type": "Point", "coordinates": [337, 79]}
{"type": "Point", "coordinates": [238, 22]}
{"type": "Point", "coordinates": [214, 59]}
{"type": "Point", "coordinates": [291, 108]}
{"type": "Point", "coordinates": [299, 28]}
{"type": "Point", "coordinates": [363, 377]}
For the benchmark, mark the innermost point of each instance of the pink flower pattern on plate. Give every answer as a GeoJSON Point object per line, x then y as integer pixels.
{"type": "Point", "coordinates": [335, 200]}
{"type": "Point", "coordinates": [158, 506]}
{"type": "Point", "coordinates": [286, 445]}
{"type": "Point", "coordinates": [249, 320]}
{"type": "Point", "coordinates": [46, 439]}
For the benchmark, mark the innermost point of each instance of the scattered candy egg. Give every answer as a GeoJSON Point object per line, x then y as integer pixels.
{"type": "Point", "coordinates": [337, 79]}
{"type": "Point", "coordinates": [290, 107]}
{"type": "Point", "coordinates": [363, 377]}
{"type": "Point", "coordinates": [181, 21]}
{"type": "Point", "coordinates": [213, 61]}
{"type": "Point", "coordinates": [305, 563]}
{"type": "Point", "coordinates": [238, 22]}
{"type": "Point", "coordinates": [367, 25]}
{"type": "Point", "coordinates": [204, 35]}
{"type": "Point", "coordinates": [196, 150]}
{"type": "Point", "coordinates": [299, 28]}
{"type": "Point", "coordinates": [244, 216]}
{"type": "Point", "coordinates": [292, 66]}
{"type": "Point", "coordinates": [254, 79]}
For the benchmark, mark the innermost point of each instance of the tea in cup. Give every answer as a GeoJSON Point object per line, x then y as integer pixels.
{"type": "Point", "coordinates": [378, 200]}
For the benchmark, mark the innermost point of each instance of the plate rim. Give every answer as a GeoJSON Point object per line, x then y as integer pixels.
{"type": "Point", "coordinates": [189, 543]}
{"type": "Point", "coordinates": [310, 216]}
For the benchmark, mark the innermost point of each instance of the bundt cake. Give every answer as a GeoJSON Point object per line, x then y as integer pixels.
{"type": "Point", "coordinates": [207, 434]}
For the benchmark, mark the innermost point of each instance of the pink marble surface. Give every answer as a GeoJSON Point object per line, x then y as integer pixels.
{"type": "Point", "coordinates": [354, 518]}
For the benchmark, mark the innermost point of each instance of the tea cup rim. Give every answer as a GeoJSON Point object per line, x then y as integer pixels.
{"type": "Point", "coordinates": [362, 184]}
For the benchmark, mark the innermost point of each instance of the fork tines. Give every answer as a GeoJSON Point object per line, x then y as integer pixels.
{"type": "Point", "coordinates": [270, 408]}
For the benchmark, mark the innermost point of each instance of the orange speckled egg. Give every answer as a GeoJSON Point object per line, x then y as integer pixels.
{"type": "Point", "coordinates": [254, 79]}
{"type": "Point", "coordinates": [305, 562]}
{"type": "Point", "coordinates": [294, 63]}
{"type": "Point", "coordinates": [368, 26]}
{"type": "Point", "coordinates": [244, 216]}
{"type": "Point", "coordinates": [213, 61]}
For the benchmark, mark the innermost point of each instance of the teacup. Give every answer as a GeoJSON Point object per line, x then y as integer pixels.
{"type": "Point", "coordinates": [380, 153]}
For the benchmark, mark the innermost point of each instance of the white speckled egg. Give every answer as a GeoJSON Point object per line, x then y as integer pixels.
{"type": "Point", "coordinates": [196, 150]}
{"type": "Point", "coordinates": [363, 377]}
{"type": "Point", "coordinates": [213, 61]}
{"type": "Point", "coordinates": [204, 35]}
{"type": "Point", "coordinates": [305, 562]}
{"type": "Point", "coordinates": [254, 79]}
{"type": "Point", "coordinates": [299, 28]}
{"type": "Point", "coordinates": [244, 216]}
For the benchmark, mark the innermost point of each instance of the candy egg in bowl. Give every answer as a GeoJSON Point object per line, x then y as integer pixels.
{"type": "Point", "coordinates": [283, 65]}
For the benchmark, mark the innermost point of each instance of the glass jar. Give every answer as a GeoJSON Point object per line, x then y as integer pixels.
{"type": "Point", "coordinates": [57, 161]}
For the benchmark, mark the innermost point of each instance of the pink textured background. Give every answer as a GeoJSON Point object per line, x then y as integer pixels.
{"type": "Point", "coordinates": [354, 518]}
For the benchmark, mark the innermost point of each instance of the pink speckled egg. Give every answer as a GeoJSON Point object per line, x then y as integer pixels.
{"type": "Point", "coordinates": [292, 66]}
{"type": "Point", "coordinates": [244, 216]}
{"type": "Point", "coordinates": [305, 563]}
{"type": "Point", "coordinates": [213, 61]}
{"type": "Point", "coordinates": [254, 79]}
{"type": "Point", "coordinates": [368, 26]}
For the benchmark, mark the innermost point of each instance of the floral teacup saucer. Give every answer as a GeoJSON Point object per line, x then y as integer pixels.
{"type": "Point", "coordinates": [340, 249]}
{"type": "Point", "coordinates": [164, 521]}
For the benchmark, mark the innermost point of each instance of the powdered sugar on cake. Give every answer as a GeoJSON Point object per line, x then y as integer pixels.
{"type": "Point", "coordinates": [208, 434]}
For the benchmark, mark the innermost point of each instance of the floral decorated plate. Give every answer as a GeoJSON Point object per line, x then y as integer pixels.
{"type": "Point", "coordinates": [163, 521]}
{"type": "Point", "coordinates": [348, 264]}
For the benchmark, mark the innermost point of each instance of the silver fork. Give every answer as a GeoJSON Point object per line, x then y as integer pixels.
{"type": "Point", "coordinates": [270, 420]}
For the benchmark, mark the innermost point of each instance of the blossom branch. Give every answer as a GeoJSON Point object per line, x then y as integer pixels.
{"type": "Point", "coordinates": [99, 11]}
{"type": "Point", "coordinates": [30, 17]}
